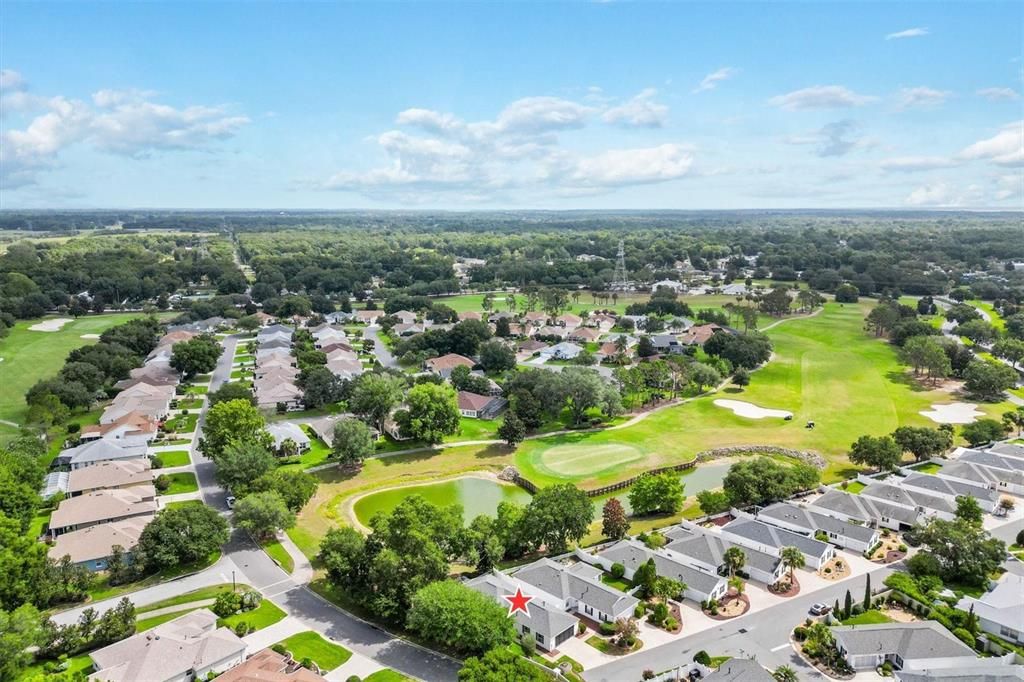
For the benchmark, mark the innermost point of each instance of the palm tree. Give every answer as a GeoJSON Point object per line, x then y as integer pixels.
{"type": "Point", "coordinates": [735, 560]}
{"type": "Point", "coordinates": [792, 558]}
{"type": "Point", "coordinates": [737, 585]}
{"type": "Point", "coordinates": [785, 674]}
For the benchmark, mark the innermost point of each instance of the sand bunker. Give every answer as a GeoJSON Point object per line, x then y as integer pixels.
{"type": "Point", "coordinates": [89, 336]}
{"type": "Point", "coordinates": [750, 410]}
{"type": "Point", "coordinates": [50, 325]}
{"type": "Point", "coordinates": [953, 413]}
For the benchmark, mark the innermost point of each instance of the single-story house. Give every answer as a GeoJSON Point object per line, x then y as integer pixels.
{"type": "Point", "coordinates": [609, 350]}
{"type": "Point", "coordinates": [562, 351]}
{"type": "Point", "coordinates": [740, 670]}
{"type": "Point", "coordinates": [271, 393]}
{"type": "Point", "coordinates": [345, 367]}
{"type": "Point", "coordinates": [93, 546]}
{"type": "Point", "coordinates": [269, 666]}
{"type": "Point", "coordinates": [771, 539]}
{"type": "Point", "coordinates": [404, 316]}
{"type": "Point", "coordinates": [550, 331]}
{"type": "Point", "coordinates": [407, 329]}
{"type": "Point", "coordinates": [979, 670]}
{"type": "Point", "coordinates": [275, 343]}
{"type": "Point", "coordinates": [666, 343]}
{"type": "Point", "coordinates": [274, 331]}
{"type": "Point", "coordinates": [117, 473]}
{"type": "Point", "coordinates": [96, 451]}
{"type": "Point", "coordinates": [1000, 611]}
{"type": "Point", "coordinates": [950, 489]}
{"type": "Point", "coordinates": [700, 585]}
{"type": "Point", "coordinates": [569, 321]}
{"type": "Point", "coordinates": [527, 348]}
{"type": "Point", "coordinates": [912, 646]}
{"type": "Point", "coordinates": [369, 316]}
{"type": "Point", "coordinates": [547, 623]}
{"type": "Point", "coordinates": [584, 335]}
{"type": "Point", "coordinates": [577, 588]}
{"type": "Point", "coordinates": [1007, 450]}
{"type": "Point", "coordinates": [1009, 470]}
{"type": "Point", "coordinates": [972, 474]}
{"type": "Point", "coordinates": [705, 552]}
{"type": "Point", "coordinates": [103, 506]}
{"type": "Point", "coordinates": [923, 503]}
{"type": "Point", "coordinates": [668, 284]}
{"type": "Point", "coordinates": [875, 512]}
{"type": "Point", "coordinates": [282, 431]}
{"type": "Point", "coordinates": [536, 317]}
{"type": "Point", "coordinates": [132, 429]}
{"type": "Point", "coordinates": [444, 365]}
{"type": "Point", "coordinates": [735, 290]}
{"type": "Point", "coordinates": [602, 321]}
{"type": "Point", "coordinates": [477, 406]}
{"type": "Point", "coordinates": [698, 335]}
{"type": "Point", "coordinates": [330, 337]}
{"type": "Point", "coordinates": [264, 319]}
{"type": "Point", "coordinates": [810, 522]}
{"type": "Point", "coordinates": [189, 647]}
{"type": "Point", "coordinates": [470, 315]}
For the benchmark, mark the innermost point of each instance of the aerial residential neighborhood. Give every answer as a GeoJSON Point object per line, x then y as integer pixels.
{"type": "Point", "coordinates": [511, 342]}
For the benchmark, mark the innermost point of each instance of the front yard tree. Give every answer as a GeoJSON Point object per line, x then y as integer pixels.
{"type": "Point", "coordinates": [792, 559]}
{"type": "Point", "coordinates": [374, 396]}
{"type": "Point", "coordinates": [967, 510]}
{"type": "Point", "coordinates": [735, 559]}
{"type": "Point", "coordinates": [433, 412]}
{"type": "Point", "coordinates": [657, 494]}
{"type": "Point", "coordinates": [496, 356]}
{"type": "Point", "coordinates": [512, 429]}
{"type": "Point", "coordinates": [353, 442]}
{"type": "Point", "coordinates": [181, 535]}
{"type": "Point", "coordinates": [460, 619]}
{"type": "Point", "coordinates": [501, 664]}
{"type": "Point", "coordinates": [583, 390]}
{"type": "Point", "coordinates": [295, 487]}
{"type": "Point", "coordinates": [614, 523]}
{"type": "Point", "coordinates": [241, 463]}
{"type": "Point", "coordinates": [966, 553]}
{"type": "Point", "coordinates": [1014, 420]}
{"type": "Point", "coordinates": [263, 514]}
{"type": "Point", "coordinates": [234, 420]}
{"type": "Point", "coordinates": [644, 576]}
{"type": "Point", "coordinates": [556, 516]}
{"type": "Point", "coordinates": [920, 441]}
{"type": "Point", "coordinates": [878, 452]}
{"type": "Point", "coordinates": [232, 390]}
{"type": "Point", "coordinates": [198, 355]}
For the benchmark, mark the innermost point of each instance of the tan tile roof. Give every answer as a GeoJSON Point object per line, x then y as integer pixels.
{"type": "Point", "coordinates": [118, 473]}
{"type": "Point", "coordinates": [105, 505]}
{"type": "Point", "coordinates": [97, 542]}
{"type": "Point", "coordinates": [142, 423]}
{"type": "Point", "coordinates": [473, 401]}
{"type": "Point", "coordinates": [268, 666]}
{"type": "Point", "coordinates": [449, 361]}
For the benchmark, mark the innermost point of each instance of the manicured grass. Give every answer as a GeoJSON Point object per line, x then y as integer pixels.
{"type": "Point", "coordinates": [210, 592]}
{"type": "Point", "coordinates": [183, 482]}
{"type": "Point", "coordinates": [995, 319]}
{"type": "Point", "coordinates": [620, 584]}
{"type": "Point", "coordinates": [174, 458]}
{"type": "Point", "coordinates": [476, 429]}
{"type": "Point", "coordinates": [101, 590]}
{"type": "Point", "coordinates": [76, 664]}
{"type": "Point", "coordinates": [244, 357]}
{"type": "Point", "coordinates": [928, 468]}
{"type": "Point", "coordinates": [280, 555]}
{"type": "Point", "coordinates": [266, 614]}
{"type": "Point", "coordinates": [196, 404]}
{"type": "Point", "coordinates": [326, 655]}
{"type": "Point", "coordinates": [38, 525]}
{"type": "Point", "coordinates": [182, 423]}
{"type": "Point", "coordinates": [29, 356]}
{"type": "Point", "coordinates": [198, 390]}
{"type": "Point", "coordinates": [387, 675]}
{"type": "Point", "coordinates": [870, 617]}
{"type": "Point", "coordinates": [318, 452]}
{"type": "Point", "coordinates": [150, 623]}
{"type": "Point", "coordinates": [854, 487]}
{"type": "Point", "coordinates": [182, 503]}
{"type": "Point", "coordinates": [967, 590]}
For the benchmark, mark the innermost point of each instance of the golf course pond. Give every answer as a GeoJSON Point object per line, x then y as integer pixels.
{"type": "Point", "coordinates": [482, 495]}
{"type": "Point", "coordinates": [476, 495]}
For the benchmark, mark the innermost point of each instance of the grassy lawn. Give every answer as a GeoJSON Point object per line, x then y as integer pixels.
{"type": "Point", "coordinates": [476, 429]}
{"type": "Point", "coordinates": [174, 458]}
{"type": "Point", "coordinates": [928, 468]}
{"type": "Point", "coordinates": [182, 423]}
{"type": "Point", "coordinates": [76, 664]}
{"type": "Point", "coordinates": [196, 404]}
{"type": "Point", "coordinates": [996, 319]}
{"type": "Point", "coordinates": [266, 614]}
{"type": "Point", "coordinates": [198, 390]}
{"type": "Point", "coordinates": [29, 356]}
{"type": "Point", "coordinates": [279, 554]}
{"type": "Point", "coordinates": [967, 590]}
{"type": "Point", "coordinates": [181, 503]}
{"type": "Point", "coordinates": [210, 592]}
{"type": "Point", "coordinates": [150, 623]}
{"type": "Point", "coordinates": [326, 655]}
{"type": "Point", "coordinates": [870, 617]}
{"type": "Point", "coordinates": [39, 521]}
{"type": "Point", "coordinates": [318, 452]}
{"type": "Point", "coordinates": [620, 584]}
{"type": "Point", "coordinates": [855, 487]}
{"type": "Point", "coordinates": [101, 590]}
{"type": "Point", "coordinates": [387, 675]}
{"type": "Point", "coordinates": [184, 482]}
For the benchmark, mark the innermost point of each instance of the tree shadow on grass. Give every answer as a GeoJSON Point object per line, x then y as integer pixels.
{"type": "Point", "coordinates": [908, 380]}
{"type": "Point", "coordinates": [732, 389]}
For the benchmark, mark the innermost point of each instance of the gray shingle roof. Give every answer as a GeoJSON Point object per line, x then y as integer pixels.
{"type": "Point", "coordinates": [864, 508]}
{"type": "Point", "coordinates": [740, 670]}
{"type": "Point", "coordinates": [1008, 449]}
{"type": "Point", "coordinates": [994, 461]}
{"type": "Point", "coordinates": [100, 451]}
{"type": "Point", "coordinates": [912, 641]}
{"type": "Point", "coordinates": [814, 521]}
{"type": "Point", "coordinates": [912, 498]}
{"type": "Point", "coordinates": [559, 581]}
{"type": "Point", "coordinates": [632, 554]}
{"type": "Point", "coordinates": [708, 549]}
{"type": "Point", "coordinates": [970, 472]}
{"type": "Point", "coordinates": [543, 617]}
{"type": "Point", "coordinates": [971, 672]}
{"type": "Point", "coordinates": [772, 536]}
{"type": "Point", "coordinates": [937, 484]}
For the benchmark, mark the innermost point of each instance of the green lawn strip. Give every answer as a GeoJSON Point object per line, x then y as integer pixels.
{"type": "Point", "coordinates": [966, 590]}
{"type": "Point", "coordinates": [870, 617]}
{"type": "Point", "coordinates": [996, 320]}
{"type": "Point", "coordinates": [244, 357]}
{"type": "Point", "coordinates": [620, 584]}
{"type": "Point", "coordinates": [75, 664]}
{"type": "Point", "coordinates": [101, 590]}
{"type": "Point", "coordinates": [174, 458]}
{"type": "Point", "coordinates": [198, 390]}
{"type": "Point", "coordinates": [182, 423]}
{"type": "Point", "coordinates": [150, 623]}
{"type": "Point", "coordinates": [196, 404]}
{"type": "Point", "coordinates": [181, 503]}
{"type": "Point", "coordinates": [854, 487]}
{"type": "Point", "coordinates": [182, 482]}
{"type": "Point", "coordinates": [606, 647]}
{"type": "Point", "coordinates": [387, 675]}
{"type": "Point", "coordinates": [38, 525]}
{"type": "Point", "coordinates": [279, 554]}
{"type": "Point", "coordinates": [209, 592]}
{"type": "Point", "coordinates": [33, 355]}
{"type": "Point", "coordinates": [717, 661]}
{"type": "Point", "coordinates": [266, 614]}
{"type": "Point", "coordinates": [311, 645]}
{"type": "Point", "coordinates": [928, 468]}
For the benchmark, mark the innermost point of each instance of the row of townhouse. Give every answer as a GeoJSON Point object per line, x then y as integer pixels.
{"type": "Point", "coordinates": [276, 371]}
{"type": "Point", "coordinates": [342, 358]}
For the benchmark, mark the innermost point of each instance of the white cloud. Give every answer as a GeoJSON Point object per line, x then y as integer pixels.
{"type": "Point", "coordinates": [1005, 148]}
{"type": "Point", "coordinates": [996, 94]}
{"type": "Point", "coordinates": [912, 164]}
{"type": "Point", "coordinates": [833, 139]}
{"type": "Point", "coordinates": [908, 33]}
{"type": "Point", "coordinates": [1009, 186]}
{"type": "Point", "coordinates": [943, 194]}
{"type": "Point", "coordinates": [640, 111]}
{"type": "Point", "coordinates": [537, 114]}
{"type": "Point", "coordinates": [11, 80]}
{"type": "Point", "coordinates": [121, 122]}
{"type": "Point", "coordinates": [820, 97]}
{"type": "Point", "coordinates": [922, 97]}
{"type": "Point", "coordinates": [618, 167]}
{"type": "Point", "coordinates": [711, 81]}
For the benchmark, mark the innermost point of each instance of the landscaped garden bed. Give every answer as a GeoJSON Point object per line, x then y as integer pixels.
{"type": "Point", "coordinates": [730, 606]}
{"type": "Point", "coordinates": [835, 569]}
{"type": "Point", "coordinates": [789, 586]}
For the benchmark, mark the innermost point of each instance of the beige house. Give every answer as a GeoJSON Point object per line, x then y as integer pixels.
{"type": "Point", "coordinates": [269, 666]}
{"type": "Point", "coordinates": [92, 547]}
{"type": "Point", "coordinates": [121, 473]}
{"type": "Point", "coordinates": [103, 506]}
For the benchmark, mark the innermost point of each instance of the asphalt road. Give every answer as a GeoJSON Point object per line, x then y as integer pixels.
{"type": "Point", "coordinates": [763, 635]}
{"type": "Point", "coordinates": [384, 355]}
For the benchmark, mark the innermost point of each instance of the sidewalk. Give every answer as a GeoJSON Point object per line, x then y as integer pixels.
{"type": "Point", "coordinates": [302, 573]}
{"type": "Point", "coordinates": [282, 629]}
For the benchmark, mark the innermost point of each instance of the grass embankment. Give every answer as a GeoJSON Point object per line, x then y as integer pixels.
{"type": "Point", "coordinates": [311, 645]}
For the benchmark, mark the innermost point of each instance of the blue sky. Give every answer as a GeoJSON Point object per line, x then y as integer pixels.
{"type": "Point", "coordinates": [511, 105]}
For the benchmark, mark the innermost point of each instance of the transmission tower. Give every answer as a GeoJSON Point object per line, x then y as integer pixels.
{"type": "Point", "coordinates": [619, 280]}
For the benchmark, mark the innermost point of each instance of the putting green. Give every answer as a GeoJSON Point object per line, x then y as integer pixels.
{"type": "Point", "coordinates": [578, 459]}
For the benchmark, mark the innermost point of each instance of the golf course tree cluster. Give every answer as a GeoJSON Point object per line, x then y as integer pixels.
{"type": "Point", "coordinates": [657, 494]}
{"type": "Point", "coordinates": [674, 375]}
{"type": "Point", "coordinates": [90, 372]}
{"type": "Point", "coordinates": [761, 480]}
{"type": "Point", "coordinates": [538, 396]}
{"type": "Point", "coordinates": [413, 545]}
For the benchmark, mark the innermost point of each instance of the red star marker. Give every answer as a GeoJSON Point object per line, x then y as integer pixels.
{"type": "Point", "coordinates": [517, 601]}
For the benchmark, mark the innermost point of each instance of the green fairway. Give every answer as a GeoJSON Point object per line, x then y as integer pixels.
{"type": "Point", "coordinates": [174, 458]}
{"type": "Point", "coordinates": [825, 369]}
{"type": "Point", "coordinates": [582, 459]}
{"type": "Point", "coordinates": [311, 645]}
{"type": "Point", "coordinates": [29, 356]}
